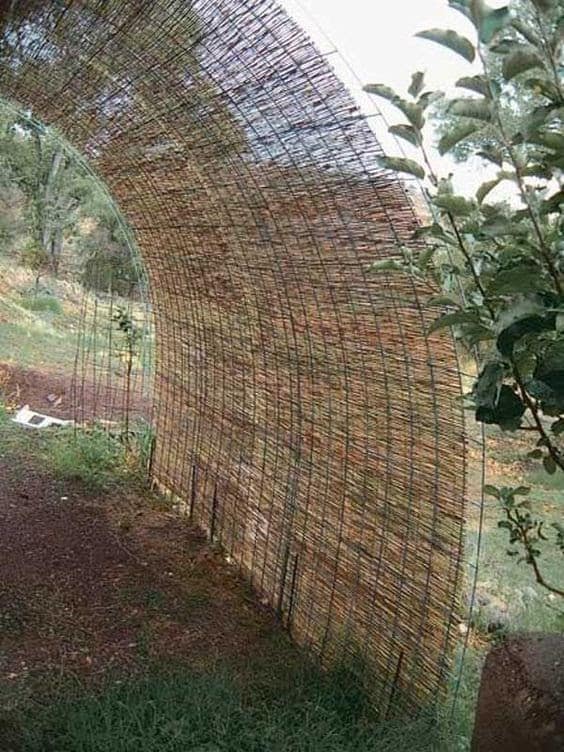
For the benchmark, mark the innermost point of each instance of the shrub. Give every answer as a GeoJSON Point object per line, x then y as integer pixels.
{"type": "Point", "coordinates": [91, 456]}
{"type": "Point", "coordinates": [42, 304]}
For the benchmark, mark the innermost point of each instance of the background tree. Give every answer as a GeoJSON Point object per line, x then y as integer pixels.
{"type": "Point", "coordinates": [500, 263]}
{"type": "Point", "coordinates": [107, 262]}
{"type": "Point", "coordinates": [35, 161]}
{"type": "Point", "coordinates": [48, 200]}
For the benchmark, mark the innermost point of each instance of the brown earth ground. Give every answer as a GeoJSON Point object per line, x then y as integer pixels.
{"type": "Point", "coordinates": [98, 586]}
{"type": "Point", "coordinates": [56, 394]}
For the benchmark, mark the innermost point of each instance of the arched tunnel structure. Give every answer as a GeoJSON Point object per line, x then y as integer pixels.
{"type": "Point", "coordinates": [302, 413]}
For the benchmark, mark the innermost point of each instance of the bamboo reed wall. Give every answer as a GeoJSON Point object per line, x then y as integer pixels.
{"type": "Point", "coordinates": [301, 412]}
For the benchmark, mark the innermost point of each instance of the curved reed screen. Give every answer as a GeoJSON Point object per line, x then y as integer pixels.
{"type": "Point", "coordinates": [301, 412]}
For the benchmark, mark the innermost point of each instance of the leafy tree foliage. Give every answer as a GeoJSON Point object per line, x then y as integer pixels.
{"type": "Point", "coordinates": [47, 198]}
{"type": "Point", "coordinates": [107, 261]}
{"type": "Point", "coordinates": [499, 263]}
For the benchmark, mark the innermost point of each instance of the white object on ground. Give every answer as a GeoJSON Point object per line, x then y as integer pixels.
{"type": "Point", "coordinates": [30, 419]}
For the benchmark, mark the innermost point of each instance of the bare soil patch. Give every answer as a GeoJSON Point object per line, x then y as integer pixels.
{"type": "Point", "coordinates": [90, 586]}
{"type": "Point", "coordinates": [58, 394]}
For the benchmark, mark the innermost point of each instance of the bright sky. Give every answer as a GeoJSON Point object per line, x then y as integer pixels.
{"type": "Point", "coordinates": [376, 39]}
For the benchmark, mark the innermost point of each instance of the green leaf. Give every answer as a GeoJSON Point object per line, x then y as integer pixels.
{"type": "Point", "coordinates": [475, 333]}
{"type": "Point", "coordinates": [507, 413]}
{"type": "Point", "coordinates": [462, 6]}
{"type": "Point", "coordinates": [491, 22]}
{"type": "Point", "coordinates": [455, 42]}
{"type": "Point", "coordinates": [544, 5]}
{"type": "Point", "coordinates": [477, 84]}
{"type": "Point", "coordinates": [534, 324]}
{"type": "Point", "coordinates": [541, 86]}
{"type": "Point", "coordinates": [526, 32]}
{"type": "Point", "coordinates": [551, 401]}
{"type": "Point", "coordinates": [520, 60]}
{"type": "Point", "coordinates": [407, 132]}
{"type": "Point", "coordinates": [387, 265]}
{"type": "Point", "coordinates": [502, 46]}
{"type": "Point", "coordinates": [538, 118]}
{"type": "Point", "coordinates": [548, 139]}
{"type": "Point", "coordinates": [458, 206]}
{"type": "Point", "coordinates": [557, 427]}
{"type": "Point", "coordinates": [413, 112]}
{"type": "Point", "coordinates": [485, 392]}
{"type": "Point", "coordinates": [521, 279]}
{"type": "Point", "coordinates": [425, 257]}
{"type": "Point", "coordinates": [443, 300]}
{"type": "Point", "coordinates": [550, 369]}
{"type": "Point", "coordinates": [435, 231]}
{"type": "Point", "coordinates": [456, 135]}
{"type": "Point", "coordinates": [417, 84]}
{"type": "Point", "coordinates": [537, 171]}
{"type": "Point", "coordinates": [477, 109]}
{"type": "Point", "coordinates": [525, 362]}
{"type": "Point", "coordinates": [381, 90]}
{"type": "Point", "coordinates": [552, 204]}
{"type": "Point", "coordinates": [521, 491]}
{"type": "Point", "coordinates": [428, 98]}
{"type": "Point", "coordinates": [453, 319]}
{"type": "Point", "coordinates": [400, 164]}
{"type": "Point", "coordinates": [486, 188]}
{"type": "Point", "coordinates": [499, 226]}
{"type": "Point", "coordinates": [558, 36]}
{"type": "Point", "coordinates": [492, 154]}
{"type": "Point", "coordinates": [492, 491]}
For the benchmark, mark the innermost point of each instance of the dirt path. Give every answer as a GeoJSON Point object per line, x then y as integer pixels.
{"type": "Point", "coordinates": [89, 586]}
{"type": "Point", "coordinates": [54, 393]}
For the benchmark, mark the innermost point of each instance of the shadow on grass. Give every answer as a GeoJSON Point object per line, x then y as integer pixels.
{"type": "Point", "coordinates": [185, 712]}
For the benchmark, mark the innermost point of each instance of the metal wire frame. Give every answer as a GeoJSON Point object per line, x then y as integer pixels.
{"type": "Point", "coordinates": [301, 411]}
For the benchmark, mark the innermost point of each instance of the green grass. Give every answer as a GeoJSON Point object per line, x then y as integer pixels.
{"type": "Point", "coordinates": [91, 456]}
{"type": "Point", "coordinates": [38, 344]}
{"type": "Point", "coordinates": [188, 712]}
{"type": "Point", "coordinates": [42, 304]}
{"type": "Point", "coordinates": [507, 591]}
{"type": "Point", "coordinates": [47, 330]}
{"type": "Point", "coordinates": [283, 702]}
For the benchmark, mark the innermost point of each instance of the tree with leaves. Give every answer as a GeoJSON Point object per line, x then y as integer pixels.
{"type": "Point", "coordinates": [56, 194]}
{"type": "Point", "coordinates": [35, 160]}
{"type": "Point", "coordinates": [500, 264]}
{"type": "Point", "coordinates": [107, 261]}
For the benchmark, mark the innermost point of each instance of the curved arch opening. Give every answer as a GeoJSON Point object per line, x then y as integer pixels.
{"type": "Point", "coordinates": [77, 339]}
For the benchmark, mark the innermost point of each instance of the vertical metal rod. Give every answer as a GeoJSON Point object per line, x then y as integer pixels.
{"type": "Point", "coordinates": [292, 593]}
{"type": "Point", "coordinates": [394, 685]}
{"type": "Point", "coordinates": [213, 513]}
{"type": "Point", "coordinates": [193, 492]}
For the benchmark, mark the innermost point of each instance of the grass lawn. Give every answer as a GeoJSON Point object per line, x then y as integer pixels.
{"type": "Point", "coordinates": [50, 330]}
{"type": "Point", "coordinates": [508, 597]}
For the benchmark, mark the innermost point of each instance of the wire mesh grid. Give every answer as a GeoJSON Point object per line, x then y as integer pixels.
{"type": "Point", "coordinates": [301, 412]}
